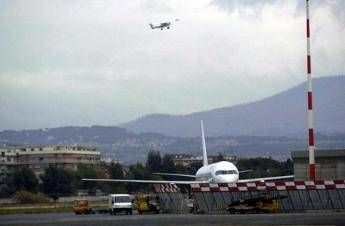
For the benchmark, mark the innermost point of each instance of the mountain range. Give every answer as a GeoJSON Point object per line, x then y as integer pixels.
{"type": "Point", "coordinates": [118, 143]}
{"type": "Point", "coordinates": [284, 114]}
{"type": "Point", "coordinates": [271, 127]}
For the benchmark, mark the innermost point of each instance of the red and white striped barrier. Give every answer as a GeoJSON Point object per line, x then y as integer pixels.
{"type": "Point", "coordinates": [270, 186]}
{"type": "Point", "coordinates": [166, 188]}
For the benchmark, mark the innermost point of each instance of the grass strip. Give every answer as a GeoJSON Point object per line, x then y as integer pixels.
{"type": "Point", "coordinates": [21, 210]}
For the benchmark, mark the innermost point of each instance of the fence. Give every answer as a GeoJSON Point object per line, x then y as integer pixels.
{"type": "Point", "coordinates": [171, 198]}
{"type": "Point", "coordinates": [301, 195]}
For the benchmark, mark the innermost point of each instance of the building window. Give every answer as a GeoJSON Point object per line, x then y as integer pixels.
{"type": "Point", "coordinates": [40, 158]}
{"type": "Point", "coordinates": [2, 154]}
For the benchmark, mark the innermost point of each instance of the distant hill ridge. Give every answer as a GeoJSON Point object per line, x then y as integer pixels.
{"type": "Point", "coordinates": [283, 114]}
{"type": "Point", "coordinates": [130, 147]}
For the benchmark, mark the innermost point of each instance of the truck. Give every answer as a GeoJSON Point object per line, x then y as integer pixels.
{"type": "Point", "coordinates": [120, 203]}
{"type": "Point", "coordinates": [147, 203]}
{"type": "Point", "coordinates": [82, 206]}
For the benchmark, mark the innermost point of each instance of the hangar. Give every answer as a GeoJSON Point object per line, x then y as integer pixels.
{"type": "Point", "coordinates": [329, 164]}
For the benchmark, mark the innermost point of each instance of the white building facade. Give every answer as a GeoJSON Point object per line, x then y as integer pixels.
{"type": "Point", "coordinates": [38, 158]}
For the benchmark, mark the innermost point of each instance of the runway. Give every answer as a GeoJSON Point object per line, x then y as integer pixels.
{"type": "Point", "coordinates": [330, 218]}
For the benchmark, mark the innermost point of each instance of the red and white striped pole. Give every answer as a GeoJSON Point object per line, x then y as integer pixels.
{"type": "Point", "coordinates": [311, 146]}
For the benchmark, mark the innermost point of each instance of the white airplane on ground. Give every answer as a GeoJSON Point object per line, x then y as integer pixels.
{"type": "Point", "coordinates": [219, 172]}
{"type": "Point", "coordinates": [161, 25]}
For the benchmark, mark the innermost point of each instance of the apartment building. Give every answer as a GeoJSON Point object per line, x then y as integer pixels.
{"type": "Point", "coordinates": [38, 158]}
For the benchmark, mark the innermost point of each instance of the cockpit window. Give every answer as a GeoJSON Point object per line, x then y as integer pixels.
{"type": "Point", "coordinates": [226, 172]}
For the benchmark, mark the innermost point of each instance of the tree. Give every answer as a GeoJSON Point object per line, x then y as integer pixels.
{"type": "Point", "coordinates": [154, 161]}
{"type": "Point", "coordinates": [25, 179]}
{"type": "Point", "coordinates": [28, 197]}
{"type": "Point", "coordinates": [115, 171]}
{"type": "Point", "coordinates": [181, 169]}
{"type": "Point", "coordinates": [265, 167]}
{"type": "Point", "coordinates": [57, 182]}
{"type": "Point", "coordinates": [85, 171]}
{"type": "Point", "coordinates": [168, 164]}
{"type": "Point", "coordinates": [288, 167]}
{"type": "Point", "coordinates": [194, 167]}
{"type": "Point", "coordinates": [139, 172]}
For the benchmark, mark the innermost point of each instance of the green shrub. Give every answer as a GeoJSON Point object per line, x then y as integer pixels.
{"type": "Point", "coordinates": [23, 196]}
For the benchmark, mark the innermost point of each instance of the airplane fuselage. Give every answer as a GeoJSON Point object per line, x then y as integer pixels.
{"type": "Point", "coordinates": [161, 25]}
{"type": "Point", "coordinates": [220, 172]}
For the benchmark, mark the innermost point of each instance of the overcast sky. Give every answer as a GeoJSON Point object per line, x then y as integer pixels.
{"type": "Point", "coordinates": [98, 62]}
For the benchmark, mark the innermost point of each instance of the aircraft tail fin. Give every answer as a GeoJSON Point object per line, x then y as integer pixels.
{"type": "Point", "coordinates": [151, 25]}
{"type": "Point", "coordinates": [204, 153]}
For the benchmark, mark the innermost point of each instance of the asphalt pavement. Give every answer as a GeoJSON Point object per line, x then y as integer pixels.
{"type": "Point", "coordinates": [320, 218]}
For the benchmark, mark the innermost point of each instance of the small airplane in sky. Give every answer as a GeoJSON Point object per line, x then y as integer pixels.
{"type": "Point", "coordinates": [219, 172]}
{"type": "Point", "coordinates": [161, 25]}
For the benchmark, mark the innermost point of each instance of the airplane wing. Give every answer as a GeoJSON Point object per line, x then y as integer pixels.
{"type": "Point", "coordinates": [175, 174]}
{"type": "Point", "coordinates": [266, 179]}
{"type": "Point", "coordinates": [146, 181]}
{"type": "Point", "coordinates": [245, 171]}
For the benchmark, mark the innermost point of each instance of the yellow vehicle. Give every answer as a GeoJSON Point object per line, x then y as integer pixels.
{"type": "Point", "coordinates": [82, 206]}
{"type": "Point", "coordinates": [147, 203]}
{"type": "Point", "coordinates": [261, 204]}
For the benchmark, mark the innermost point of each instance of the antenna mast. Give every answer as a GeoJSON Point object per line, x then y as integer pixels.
{"type": "Point", "coordinates": [311, 146]}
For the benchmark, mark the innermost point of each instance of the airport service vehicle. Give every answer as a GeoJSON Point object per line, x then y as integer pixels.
{"type": "Point", "coordinates": [82, 206]}
{"type": "Point", "coordinates": [219, 172]}
{"type": "Point", "coordinates": [147, 204]}
{"type": "Point", "coordinates": [119, 203]}
{"type": "Point", "coordinates": [260, 204]}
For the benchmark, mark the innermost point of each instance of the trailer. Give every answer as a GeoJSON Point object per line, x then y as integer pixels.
{"type": "Point", "coordinates": [259, 204]}
{"type": "Point", "coordinates": [83, 206]}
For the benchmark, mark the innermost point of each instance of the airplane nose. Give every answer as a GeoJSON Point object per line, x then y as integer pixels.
{"type": "Point", "coordinates": [226, 179]}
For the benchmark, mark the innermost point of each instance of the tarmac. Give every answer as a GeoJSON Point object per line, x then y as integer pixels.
{"type": "Point", "coordinates": [319, 218]}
